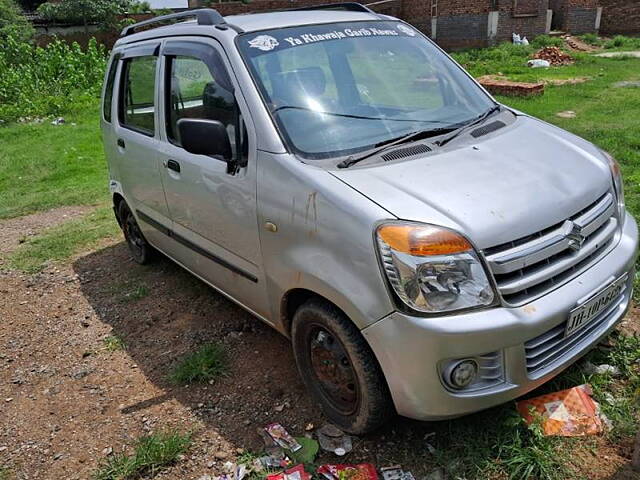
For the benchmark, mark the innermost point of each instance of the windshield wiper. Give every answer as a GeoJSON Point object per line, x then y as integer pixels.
{"type": "Point", "coordinates": [476, 121]}
{"type": "Point", "coordinates": [353, 159]}
{"type": "Point", "coordinates": [349, 115]}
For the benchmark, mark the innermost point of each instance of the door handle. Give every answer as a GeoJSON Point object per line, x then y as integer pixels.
{"type": "Point", "coordinates": [173, 165]}
{"type": "Point", "coordinates": [121, 143]}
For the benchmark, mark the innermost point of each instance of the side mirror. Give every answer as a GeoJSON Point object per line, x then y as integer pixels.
{"type": "Point", "coordinates": [205, 137]}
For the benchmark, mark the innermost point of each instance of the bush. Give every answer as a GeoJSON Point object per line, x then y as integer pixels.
{"type": "Point", "coordinates": [37, 81]}
{"type": "Point", "coordinates": [591, 39]}
{"type": "Point", "coordinates": [542, 41]}
{"type": "Point", "coordinates": [13, 23]}
{"type": "Point", "coordinates": [620, 41]}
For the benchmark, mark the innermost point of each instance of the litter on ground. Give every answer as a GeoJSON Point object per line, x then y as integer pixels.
{"type": "Point", "coordinates": [362, 471]}
{"type": "Point", "coordinates": [566, 114]}
{"type": "Point", "coordinates": [539, 63]}
{"type": "Point", "coordinates": [567, 413]}
{"type": "Point", "coordinates": [395, 473]}
{"type": "Point", "coordinates": [280, 435]}
{"type": "Point", "coordinates": [332, 439]}
{"type": "Point", "coordinates": [293, 473]}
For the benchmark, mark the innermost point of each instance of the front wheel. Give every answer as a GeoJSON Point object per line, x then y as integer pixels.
{"type": "Point", "coordinates": [140, 249]}
{"type": "Point", "coordinates": [339, 368]}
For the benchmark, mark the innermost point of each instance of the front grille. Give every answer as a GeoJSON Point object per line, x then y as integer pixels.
{"type": "Point", "coordinates": [545, 351]}
{"type": "Point", "coordinates": [531, 266]}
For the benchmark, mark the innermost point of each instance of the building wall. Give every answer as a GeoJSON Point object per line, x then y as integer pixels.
{"type": "Point", "coordinates": [575, 16]}
{"type": "Point", "coordinates": [529, 26]}
{"type": "Point", "coordinates": [233, 8]}
{"type": "Point", "coordinates": [463, 24]}
{"type": "Point", "coordinates": [620, 16]}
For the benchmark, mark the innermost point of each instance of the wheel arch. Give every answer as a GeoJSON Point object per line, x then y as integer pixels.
{"type": "Point", "coordinates": [117, 200]}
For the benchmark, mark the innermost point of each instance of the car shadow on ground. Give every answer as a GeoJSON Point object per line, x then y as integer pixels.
{"type": "Point", "coordinates": [162, 312]}
{"type": "Point", "coordinates": [175, 314]}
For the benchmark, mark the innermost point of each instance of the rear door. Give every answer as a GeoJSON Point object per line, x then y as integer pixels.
{"type": "Point", "coordinates": [137, 138]}
{"type": "Point", "coordinates": [212, 205]}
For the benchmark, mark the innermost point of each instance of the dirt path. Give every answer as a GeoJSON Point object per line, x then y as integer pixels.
{"type": "Point", "coordinates": [65, 400]}
{"type": "Point", "coordinates": [16, 230]}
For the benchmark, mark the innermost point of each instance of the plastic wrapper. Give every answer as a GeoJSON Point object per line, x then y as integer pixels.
{"type": "Point", "coordinates": [280, 435]}
{"type": "Point", "coordinates": [567, 413]}
{"type": "Point", "coordinates": [293, 473]}
{"type": "Point", "coordinates": [362, 471]}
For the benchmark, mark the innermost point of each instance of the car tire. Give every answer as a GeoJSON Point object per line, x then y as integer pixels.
{"type": "Point", "coordinates": [141, 251]}
{"type": "Point", "coordinates": [339, 368]}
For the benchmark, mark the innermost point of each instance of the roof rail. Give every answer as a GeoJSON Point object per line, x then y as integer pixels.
{"type": "Point", "coordinates": [349, 6]}
{"type": "Point", "coordinates": [204, 16]}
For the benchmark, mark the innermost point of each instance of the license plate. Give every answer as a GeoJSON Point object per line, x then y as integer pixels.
{"type": "Point", "coordinates": [585, 313]}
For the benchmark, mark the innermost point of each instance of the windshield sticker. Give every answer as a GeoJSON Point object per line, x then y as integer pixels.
{"type": "Point", "coordinates": [265, 43]}
{"type": "Point", "coordinates": [408, 30]}
{"type": "Point", "coordinates": [338, 35]}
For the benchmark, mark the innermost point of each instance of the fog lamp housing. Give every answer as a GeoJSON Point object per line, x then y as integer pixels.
{"type": "Point", "coordinates": [460, 374]}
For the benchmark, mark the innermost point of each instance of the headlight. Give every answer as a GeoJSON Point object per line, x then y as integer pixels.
{"type": "Point", "coordinates": [614, 166]}
{"type": "Point", "coordinates": [432, 269]}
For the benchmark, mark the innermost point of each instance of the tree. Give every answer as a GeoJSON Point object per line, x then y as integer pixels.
{"type": "Point", "coordinates": [30, 5]}
{"type": "Point", "coordinates": [84, 12]}
{"type": "Point", "coordinates": [13, 23]}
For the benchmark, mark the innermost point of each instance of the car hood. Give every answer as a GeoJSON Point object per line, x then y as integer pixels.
{"type": "Point", "coordinates": [514, 182]}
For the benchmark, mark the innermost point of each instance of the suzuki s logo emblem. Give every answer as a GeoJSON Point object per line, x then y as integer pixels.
{"type": "Point", "coordinates": [575, 237]}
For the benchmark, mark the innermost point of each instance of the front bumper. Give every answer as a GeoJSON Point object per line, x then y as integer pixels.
{"type": "Point", "coordinates": [411, 350]}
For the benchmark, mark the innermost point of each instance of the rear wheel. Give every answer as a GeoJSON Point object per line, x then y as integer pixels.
{"type": "Point", "coordinates": [339, 368]}
{"type": "Point", "coordinates": [140, 249]}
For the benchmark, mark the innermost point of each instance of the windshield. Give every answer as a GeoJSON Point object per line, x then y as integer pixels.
{"type": "Point", "coordinates": [341, 88]}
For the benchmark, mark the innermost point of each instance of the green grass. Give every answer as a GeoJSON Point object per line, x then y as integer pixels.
{"type": "Point", "coordinates": [113, 343]}
{"type": "Point", "coordinates": [207, 363]}
{"type": "Point", "coordinates": [44, 166]}
{"type": "Point", "coordinates": [152, 454]}
{"type": "Point", "coordinates": [5, 474]}
{"type": "Point", "coordinates": [129, 290]}
{"type": "Point", "coordinates": [61, 242]}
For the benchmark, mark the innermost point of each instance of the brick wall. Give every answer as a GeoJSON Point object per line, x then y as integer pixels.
{"type": "Point", "coordinates": [620, 16]}
{"type": "Point", "coordinates": [529, 26]}
{"type": "Point", "coordinates": [575, 16]}
{"type": "Point", "coordinates": [234, 8]}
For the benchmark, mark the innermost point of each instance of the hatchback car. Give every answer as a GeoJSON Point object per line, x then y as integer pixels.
{"type": "Point", "coordinates": [428, 251]}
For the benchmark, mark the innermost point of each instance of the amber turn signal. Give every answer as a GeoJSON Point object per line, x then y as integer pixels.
{"type": "Point", "coordinates": [423, 240]}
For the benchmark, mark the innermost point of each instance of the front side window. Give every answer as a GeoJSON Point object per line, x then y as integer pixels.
{"type": "Point", "coordinates": [137, 94]}
{"type": "Point", "coordinates": [340, 88]}
{"type": "Point", "coordinates": [197, 92]}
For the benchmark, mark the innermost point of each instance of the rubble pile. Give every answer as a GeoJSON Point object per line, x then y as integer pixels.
{"type": "Point", "coordinates": [554, 56]}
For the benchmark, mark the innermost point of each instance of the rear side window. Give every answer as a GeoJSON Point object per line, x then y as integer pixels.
{"type": "Point", "coordinates": [137, 94]}
{"type": "Point", "coordinates": [108, 91]}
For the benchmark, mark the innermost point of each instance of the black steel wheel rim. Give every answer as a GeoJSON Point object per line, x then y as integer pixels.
{"type": "Point", "coordinates": [333, 371]}
{"type": "Point", "coordinates": [133, 235]}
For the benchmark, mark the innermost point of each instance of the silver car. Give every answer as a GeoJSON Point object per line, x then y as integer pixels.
{"type": "Point", "coordinates": [428, 251]}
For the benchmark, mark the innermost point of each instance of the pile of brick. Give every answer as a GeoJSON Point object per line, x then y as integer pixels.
{"type": "Point", "coordinates": [574, 43]}
{"type": "Point", "coordinates": [554, 56]}
{"type": "Point", "coordinates": [498, 85]}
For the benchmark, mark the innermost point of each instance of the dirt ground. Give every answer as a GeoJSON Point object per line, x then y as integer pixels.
{"type": "Point", "coordinates": [66, 402]}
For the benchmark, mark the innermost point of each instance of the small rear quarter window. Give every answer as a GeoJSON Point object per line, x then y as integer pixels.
{"type": "Point", "coordinates": [108, 91]}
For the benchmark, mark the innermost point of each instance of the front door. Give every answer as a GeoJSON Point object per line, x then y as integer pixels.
{"type": "Point", "coordinates": [212, 206]}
